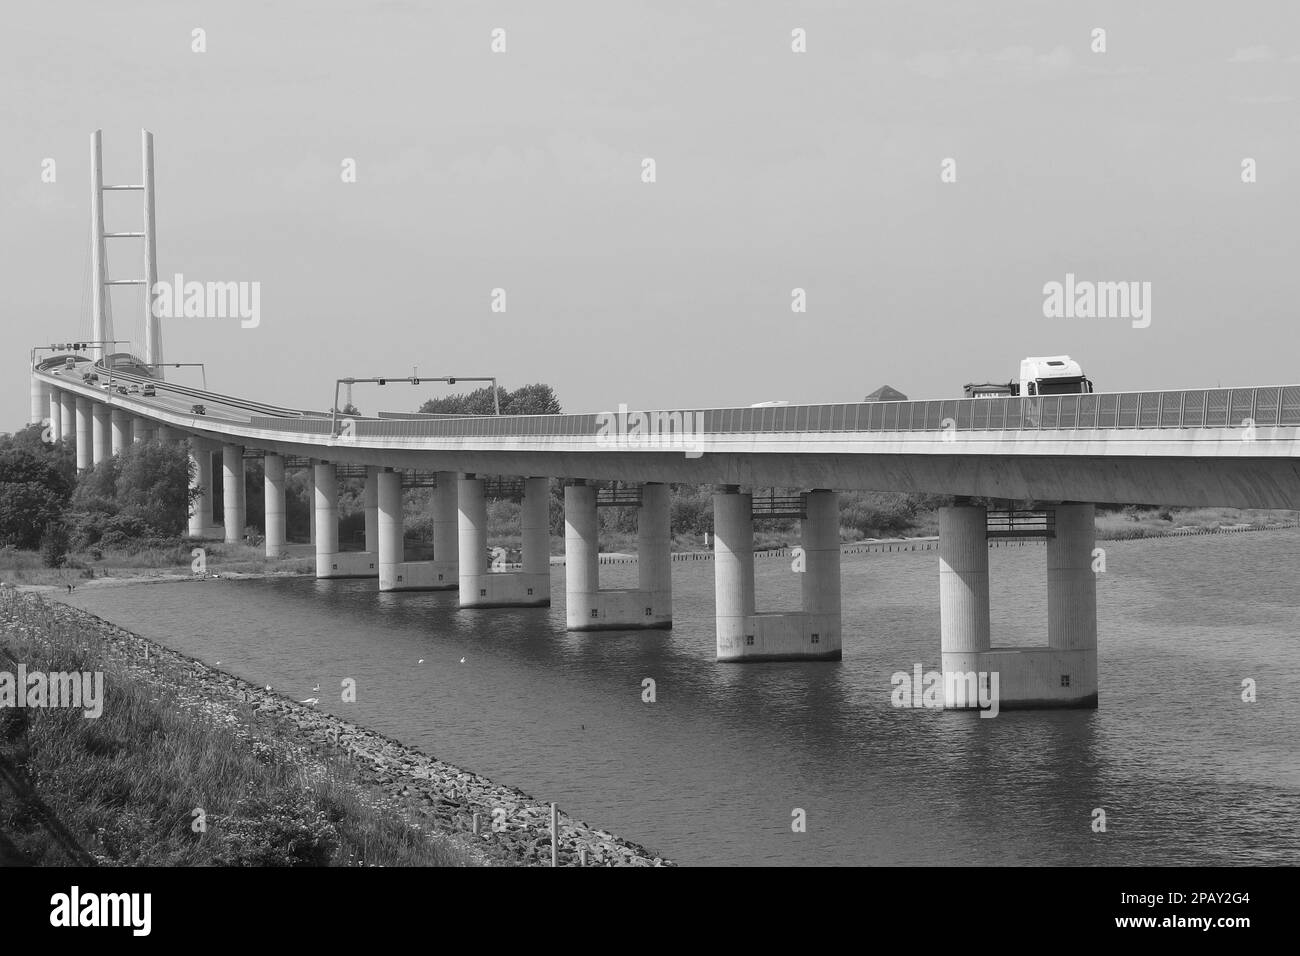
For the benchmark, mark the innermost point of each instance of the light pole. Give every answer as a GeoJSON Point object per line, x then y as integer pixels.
{"type": "Point", "coordinates": [414, 380]}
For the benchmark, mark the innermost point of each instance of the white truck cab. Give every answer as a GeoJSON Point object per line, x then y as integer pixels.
{"type": "Point", "coordinates": [1052, 375]}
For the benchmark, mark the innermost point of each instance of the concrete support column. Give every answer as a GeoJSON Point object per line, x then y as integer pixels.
{"type": "Point", "coordinates": [120, 430]}
{"type": "Point", "coordinates": [241, 495]}
{"type": "Point", "coordinates": [163, 433]}
{"type": "Point", "coordinates": [68, 402]}
{"type": "Point", "coordinates": [273, 492]}
{"type": "Point", "coordinates": [327, 518]}
{"type": "Point", "coordinates": [654, 544]}
{"type": "Point", "coordinates": [232, 481]}
{"type": "Point", "coordinates": [963, 584]}
{"type": "Point", "coordinates": [201, 479]}
{"type": "Point", "coordinates": [388, 531]}
{"type": "Point", "coordinates": [821, 576]}
{"type": "Point", "coordinates": [311, 504]}
{"type": "Point", "coordinates": [581, 554]}
{"type": "Point", "coordinates": [733, 572]}
{"type": "Point", "coordinates": [535, 526]}
{"type": "Point", "coordinates": [1072, 608]}
{"type": "Point", "coordinates": [1071, 582]}
{"type": "Point", "coordinates": [40, 402]}
{"type": "Point", "coordinates": [371, 502]}
{"type": "Point", "coordinates": [56, 416]}
{"type": "Point", "coordinates": [101, 432]}
{"type": "Point", "coordinates": [142, 429]}
{"type": "Point", "coordinates": [446, 549]}
{"type": "Point", "coordinates": [471, 510]}
{"type": "Point", "coordinates": [85, 427]}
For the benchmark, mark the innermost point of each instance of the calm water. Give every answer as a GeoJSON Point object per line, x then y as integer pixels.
{"type": "Point", "coordinates": [711, 772]}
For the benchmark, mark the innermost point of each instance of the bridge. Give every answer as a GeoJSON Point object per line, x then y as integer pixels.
{"type": "Point", "coordinates": [1232, 447]}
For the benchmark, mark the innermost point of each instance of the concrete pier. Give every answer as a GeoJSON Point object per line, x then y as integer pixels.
{"type": "Point", "coordinates": [587, 607]}
{"type": "Point", "coordinates": [1061, 674]}
{"type": "Point", "coordinates": [963, 593]}
{"type": "Point", "coordinates": [311, 503]}
{"type": "Point", "coordinates": [85, 438]}
{"type": "Point", "coordinates": [119, 430]}
{"type": "Point", "coordinates": [395, 572]}
{"type": "Point", "coordinates": [1072, 607]}
{"type": "Point", "coordinates": [232, 482]}
{"type": "Point", "coordinates": [821, 635]}
{"type": "Point", "coordinates": [40, 402]}
{"type": "Point", "coordinates": [371, 505]}
{"type": "Point", "coordinates": [581, 557]}
{"type": "Point", "coordinates": [274, 507]}
{"type": "Point", "coordinates": [142, 429]}
{"type": "Point", "coordinates": [200, 525]}
{"type": "Point", "coordinates": [68, 401]}
{"type": "Point", "coordinates": [389, 534]}
{"type": "Point", "coordinates": [55, 415]}
{"type": "Point", "coordinates": [101, 432]}
{"type": "Point", "coordinates": [326, 490]}
{"type": "Point", "coordinates": [812, 633]}
{"type": "Point", "coordinates": [733, 574]}
{"type": "Point", "coordinates": [483, 583]}
{"type": "Point", "coordinates": [330, 562]}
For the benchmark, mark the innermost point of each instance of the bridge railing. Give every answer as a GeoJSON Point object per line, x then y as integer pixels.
{"type": "Point", "coordinates": [1200, 408]}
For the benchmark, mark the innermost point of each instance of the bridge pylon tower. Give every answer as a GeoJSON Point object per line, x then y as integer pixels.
{"type": "Point", "coordinates": [101, 317]}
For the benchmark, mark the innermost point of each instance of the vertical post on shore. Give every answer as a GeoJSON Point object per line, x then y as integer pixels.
{"type": "Point", "coordinates": [555, 836]}
{"type": "Point", "coordinates": [582, 856]}
{"type": "Point", "coordinates": [476, 824]}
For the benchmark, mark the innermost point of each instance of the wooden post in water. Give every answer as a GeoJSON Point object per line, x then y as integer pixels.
{"type": "Point", "coordinates": [555, 836]}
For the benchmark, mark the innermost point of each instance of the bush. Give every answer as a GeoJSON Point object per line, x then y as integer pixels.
{"type": "Point", "coordinates": [289, 831]}
{"type": "Point", "coordinates": [54, 544]}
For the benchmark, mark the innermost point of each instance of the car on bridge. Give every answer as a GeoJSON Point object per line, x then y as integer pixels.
{"type": "Point", "coordinates": [121, 390]}
{"type": "Point", "coordinates": [198, 410]}
{"type": "Point", "coordinates": [148, 391]}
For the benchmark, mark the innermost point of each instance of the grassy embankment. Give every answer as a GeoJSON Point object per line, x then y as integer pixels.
{"type": "Point", "coordinates": [26, 568]}
{"type": "Point", "coordinates": [124, 787]}
{"type": "Point", "coordinates": [1155, 522]}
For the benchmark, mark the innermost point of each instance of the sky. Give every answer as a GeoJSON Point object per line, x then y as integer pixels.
{"type": "Point", "coordinates": [774, 170]}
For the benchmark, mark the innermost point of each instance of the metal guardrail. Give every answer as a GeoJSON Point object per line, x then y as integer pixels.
{"type": "Point", "coordinates": [503, 487]}
{"type": "Point", "coordinates": [620, 496]}
{"type": "Point", "coordinates": [773, 505]}
{"type": "Point", "coordinates": [1263, 406]}
{"type": "Point", "coordinates": [1021, 524]}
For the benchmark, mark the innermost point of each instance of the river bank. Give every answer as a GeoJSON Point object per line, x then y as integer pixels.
{"type": "Point", "coordinates": [381, 775]}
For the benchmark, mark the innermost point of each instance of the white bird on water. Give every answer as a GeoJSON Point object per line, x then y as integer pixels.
{"type": "Point", "coordinates": [310, 700]}
{"type": "Point", "coordinates": [462, 660]}
{"type": "Point", "coordinates": [420, 661]}
{"type": "Point", "coordinates": [316, 688]}
{"type": "Point", "coordinates": [268, 686]}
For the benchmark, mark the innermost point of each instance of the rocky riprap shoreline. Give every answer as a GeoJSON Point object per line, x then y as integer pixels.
{"type": "Point", "coordinates": [445, 797]}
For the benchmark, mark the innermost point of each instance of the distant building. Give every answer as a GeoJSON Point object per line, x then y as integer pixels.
{"type": "Point", "coordinates": [886, 393]}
